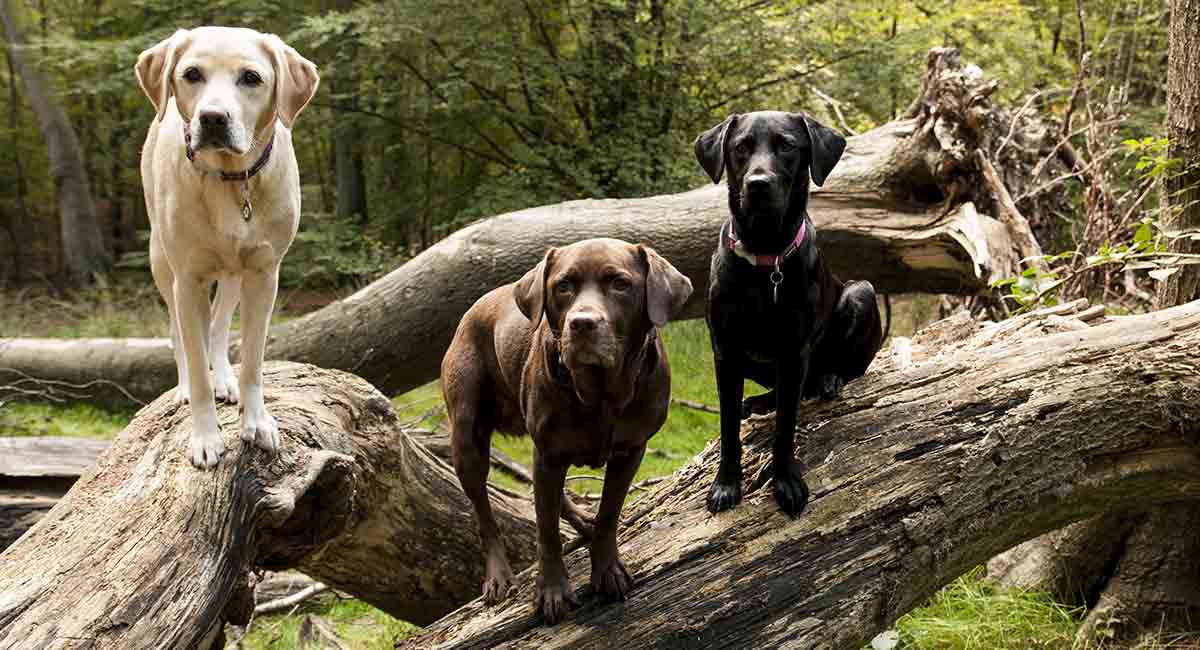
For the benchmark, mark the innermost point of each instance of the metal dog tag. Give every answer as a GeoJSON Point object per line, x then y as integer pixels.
{"type": "Point", "coordinates": [776, 280]}
{"type": "Point", "coordinates": [247, 209]}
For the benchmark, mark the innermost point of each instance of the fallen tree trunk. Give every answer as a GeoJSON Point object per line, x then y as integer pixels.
{"type": "Point", "coordinates": [907, 208]}
{"type": "Point", "coordinates": [919, 473]}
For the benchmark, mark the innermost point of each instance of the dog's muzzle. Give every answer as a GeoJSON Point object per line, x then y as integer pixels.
{"type": "Point", "coordinates": [588, 340]}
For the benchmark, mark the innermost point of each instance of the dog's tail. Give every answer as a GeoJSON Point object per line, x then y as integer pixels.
{"type": "Point", "coordinates": [887, 310]}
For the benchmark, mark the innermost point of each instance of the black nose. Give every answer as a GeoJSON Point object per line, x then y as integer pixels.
{"type": "Point", "coordinates": [756, 183]}
{"type": "Point", "coordinates": [583, 322]}
{"type": "Point", "coordinates": [214, 119]}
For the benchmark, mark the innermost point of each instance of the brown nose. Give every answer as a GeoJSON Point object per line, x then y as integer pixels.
{"type": "Point", "coordinates": [583, 323]}
{"type": "Point", "coordinates": [214, 119]}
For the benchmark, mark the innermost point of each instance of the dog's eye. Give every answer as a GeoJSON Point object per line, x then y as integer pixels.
{"type": "Point", "coordinates": [250, 78]}
{"type": "Point", "coordinates": [564, 287]}
{"type": "Point", "coordinates": [742, 148]}
{"type": "Point", "coordinates": [192, 75]}
{"type": "Point", "coordinates": [621, 284]}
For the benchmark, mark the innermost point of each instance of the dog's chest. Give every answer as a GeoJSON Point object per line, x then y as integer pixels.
{"type": "Point", "coordinates": [763, 320]}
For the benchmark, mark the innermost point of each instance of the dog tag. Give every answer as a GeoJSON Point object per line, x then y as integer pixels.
{"type": "Point", "coordinates": [776, 280]}
{"type": "Point", "coordinates": [247, 209]}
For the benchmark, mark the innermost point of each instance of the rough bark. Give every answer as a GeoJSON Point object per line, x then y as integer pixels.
{"type": "Point", "coordinates": [83, 246]}
{"type": "Point", "coordinates": [921, 471]}
{"type": "Point", "coordinates": [34, 473]}
{"type": "Point", "coordinates": [145, 551]}
{"type": "Point", "coordinates": [901, 210]}
{"type": "Point", "coordinates": [1139, 573]}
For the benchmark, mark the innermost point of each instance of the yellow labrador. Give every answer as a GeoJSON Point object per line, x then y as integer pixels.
{"type": "Point", "coordinates": [223, 195]}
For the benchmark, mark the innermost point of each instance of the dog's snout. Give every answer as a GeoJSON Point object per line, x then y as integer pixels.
{"type": "Point", "coordinates": [211, 119]}
{"type": "Point", "coordinates": [759, 182]}
{"type": "Point", "coordinates": [584, 322]}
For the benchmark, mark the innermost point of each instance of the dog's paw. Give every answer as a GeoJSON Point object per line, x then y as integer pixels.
{"type": "Point", "coordinates": [259, 428]}
{"type": "Point", "coordinates": [831, 387]}
{"type": "Point", "coordinates": [206, 448]}
{"type": "Point", "coordinates": [180, 395]}
{"type": "Point", "coordinates": [612, 580]}
{"type": "Point", "coordinates": [555, 600]}
{"type": "Point", "coordinates": [225, 385]}
{"type": "Point", "coordinates": [791, 492]}
{"type": "Point", "coordinates": [497, 585]}
{"type": "Point", "coordinates": [724, 496]}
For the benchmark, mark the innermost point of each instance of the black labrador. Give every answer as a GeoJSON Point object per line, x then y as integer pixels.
{"type": "Point", "coordinates": [776, 314]}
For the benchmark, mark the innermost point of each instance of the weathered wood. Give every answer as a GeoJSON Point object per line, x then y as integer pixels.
{"type": "Point", "coordinates": [145, 551]}
{"type": "Point", "coordinates": [906, 208]}
{"type": "Point", "coordinates": [917, 475]}
{"type": "Point", "coordinates": [993, 434]}
{"type": "Point", "coordinates": [34, 473]}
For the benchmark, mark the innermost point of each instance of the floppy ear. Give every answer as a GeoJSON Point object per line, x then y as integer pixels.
{"type": "Point", "coordinates": [666, 288]}
{"type": "Point", "coordinates": [827, 148]}
{"type": "Point", "coordinates": [710, 148]}
{"type": "Point", "coordinates": [296, 80]}
{"type": "Point", "coordinates": [156, 67]}
{"type": "Point", "coordinates": [530, 291]}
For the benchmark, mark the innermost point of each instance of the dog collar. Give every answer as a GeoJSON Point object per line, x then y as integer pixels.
{"type": "Point", "coordinates": [245, 174]}
{"type": "Point", "coordinates": [736, 246]}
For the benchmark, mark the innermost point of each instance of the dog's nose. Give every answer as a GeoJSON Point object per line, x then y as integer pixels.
{"type": "Point", "coordinates": [585, 322]}
{"type": "Point", "coordinates": [758, 182]}
{"type": "Point", "coordinates": [214, 119]}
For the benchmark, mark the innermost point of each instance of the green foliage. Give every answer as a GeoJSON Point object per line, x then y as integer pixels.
{"type": "Point", "coordinates": [972, 613]}
{"type": "Point", "coordinates": [332, 253]}
{"type": "Point", "coordinates": [360, 625]}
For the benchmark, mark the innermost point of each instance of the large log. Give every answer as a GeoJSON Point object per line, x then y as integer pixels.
{"type": "Point", "coordinates": [907, 208]}
{"type": "Point", "coordinates": [919, 473]}
{"type": "Point", "coordinates": [34, 473]}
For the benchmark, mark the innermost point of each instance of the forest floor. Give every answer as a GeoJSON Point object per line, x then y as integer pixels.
{"type": "Point", "coordinates": [969, 613]}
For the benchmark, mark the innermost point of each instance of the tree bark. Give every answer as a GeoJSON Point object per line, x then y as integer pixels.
{"type": "Point", "coordinates": [906, 208]}
{"type": "Point", "coordinates": [920, 472]}
{"type": "Point", "coordinates": [83, 248]}
{"type": "Point", "coordinates": [1139, 573]}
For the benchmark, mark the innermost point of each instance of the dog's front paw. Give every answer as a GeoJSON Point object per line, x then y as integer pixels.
{"type": "Point", "coordinates": [180, 395]}
{"type": "Point", "coordinates": [791, 492]}
{"type": "Point", "coordinates": [225, 384]}
{"type": "Point", "coordinates": [497, 583]}
{"type": "Point", "coordinates": [612, 579]}
{"type": "Point", "coordinates": [554, 600]}
{"type": "Point", "coordinates": [259, 428]}
{"type": "Point", "coordinates": [205, 448]}
{"type": "Point", "coordinates": [724, 495]}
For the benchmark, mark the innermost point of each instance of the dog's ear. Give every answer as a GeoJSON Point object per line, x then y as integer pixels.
{"type": "Point", "coordinates": [667, 290]}
{"type": "Point", "coordinates": [296, 80]}
{"type": "Point", "coordinates": [155, 70]}
{"type": "Point", "coordinates": [827, 148]}
{"type": "Point", "coordinates": [530, 291]}
{"type": "Point", "coordinates": [710, 148]}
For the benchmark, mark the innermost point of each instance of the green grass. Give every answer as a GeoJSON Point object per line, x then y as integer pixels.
{"type": "Point", "coordinates": [358, 624]}
{"type": "Point", "coordinates": [74, 420]}
{"type": "Point", "coordinates": [972, 612]}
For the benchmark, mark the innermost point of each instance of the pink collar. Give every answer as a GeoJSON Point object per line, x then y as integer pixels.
{"type": "Point", "coordinates": [765, 261]}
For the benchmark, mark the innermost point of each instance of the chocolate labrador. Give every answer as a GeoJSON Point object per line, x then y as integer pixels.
{"type": "Point", "coordinates": [569, 355]}
{"type": "Point", "coordinates": [776, 314]}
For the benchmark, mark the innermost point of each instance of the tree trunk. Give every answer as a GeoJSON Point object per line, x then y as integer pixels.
{"type": "Point", "coordinates": [920, 472]}
{"type": "Point", "coordinates": [34, 473]}
{"type": "Point", "coordinates": [1139, 573]}
{"type": "Point", "coordinates": [902, 210]}
{"type": "Point", "coordinates": [83, 248]}
{"type": "Point", "coordinates": [347, 136]}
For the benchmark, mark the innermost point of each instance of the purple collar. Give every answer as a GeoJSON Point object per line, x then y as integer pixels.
{"type": "Point", "coordinates": [736, 246]}
{"type": "Point", "coordinates": [244, 175]}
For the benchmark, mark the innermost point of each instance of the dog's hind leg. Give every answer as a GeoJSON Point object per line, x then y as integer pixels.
{"type": "Point", "coordinates": [764, 403]}
{"type": "Point", "coordinates": [582, 521]}
{"type": "Point", "coordinates": [225, 383]}
{"type": "Point", "coordinates": [470, 444]}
